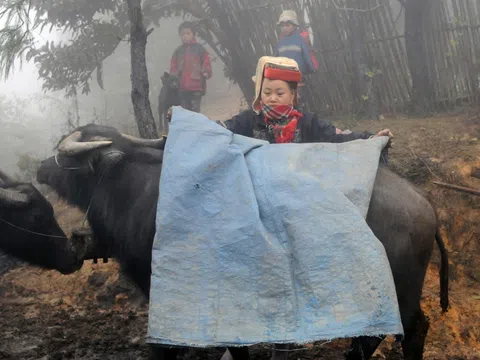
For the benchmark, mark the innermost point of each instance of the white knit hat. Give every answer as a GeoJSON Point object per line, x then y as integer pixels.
{"type": "Point", "coordinates": [270, 61]}
{"type": "Point", "coordinates": [288, 15]}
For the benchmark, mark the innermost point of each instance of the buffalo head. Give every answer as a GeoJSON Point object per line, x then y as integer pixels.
{"type": "Point", "coordinates": [114, 178]}
{"type": "Point", "coordinates": [88, 156]}
{"type": "Point", "coordinates": [29, 231]}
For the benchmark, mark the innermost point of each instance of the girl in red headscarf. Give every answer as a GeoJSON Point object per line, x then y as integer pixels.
{"type": "Point", "coordinates": [274, 117]}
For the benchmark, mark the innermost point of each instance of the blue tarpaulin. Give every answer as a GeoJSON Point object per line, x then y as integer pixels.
{"type": "Point", "coordinates": [266, 243]}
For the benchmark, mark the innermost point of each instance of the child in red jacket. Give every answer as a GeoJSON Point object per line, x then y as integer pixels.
{"type": "Point", "coordinates": [191, 63]}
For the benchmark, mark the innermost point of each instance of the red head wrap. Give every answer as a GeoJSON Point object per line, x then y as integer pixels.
{"type": "Point", "coordinates": [274, 73]}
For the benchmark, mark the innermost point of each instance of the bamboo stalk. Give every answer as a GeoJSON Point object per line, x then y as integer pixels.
{"type": "Point", "coordinates": [459, 71]}
{"type": "Point", "coordinates": [437, 52]}
{"type": "Point", "coordinates": [475, 13]}
{"type": "Point", "coordinates": [401, 58]}
{"type": "Point", "coordinates": [392, 79]}
{"type": "Point", "coordinates": [241, 31]}
{"type": "Point", "coordinates": [445, 45]}
{"type": "Point", "coordinates": [471, 78]}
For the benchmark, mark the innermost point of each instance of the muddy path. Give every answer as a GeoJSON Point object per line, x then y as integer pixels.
{"type": "Point", "coordinates": [97, 314]}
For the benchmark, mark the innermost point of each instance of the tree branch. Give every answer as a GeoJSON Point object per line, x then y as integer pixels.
{"type": "Point", "coordinates": [345, 8]}
{"type": "Point", "coordinates": [458, 188]}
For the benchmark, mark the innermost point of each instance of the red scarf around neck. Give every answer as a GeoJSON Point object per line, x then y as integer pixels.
{"type": "Point", "coordinates": [282, 120]}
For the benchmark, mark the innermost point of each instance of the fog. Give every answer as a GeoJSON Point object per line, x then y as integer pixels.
{"type": "Point", "coordinates": [33, 121]}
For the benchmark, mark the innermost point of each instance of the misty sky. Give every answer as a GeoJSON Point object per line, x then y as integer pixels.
{"type": "Point", "coordinates": [44, 122]}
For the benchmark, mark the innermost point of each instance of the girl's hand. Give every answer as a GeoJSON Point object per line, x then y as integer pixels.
{"type": "Point", "coordinates": [386, 132]}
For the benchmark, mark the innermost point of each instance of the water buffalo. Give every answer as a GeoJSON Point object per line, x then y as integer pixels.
{"type": "Point", "coordinates": [29, 231]}
{"type": "Point", "coordinates": [114, 178]}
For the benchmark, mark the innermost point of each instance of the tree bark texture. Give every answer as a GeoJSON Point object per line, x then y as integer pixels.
{"type": "Point", "coordinates": [139, 74]}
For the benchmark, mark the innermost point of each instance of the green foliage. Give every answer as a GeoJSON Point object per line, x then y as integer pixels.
{"type": "Point", "coordinates": [28, 166]}
{"type": "Point", "coordinates": [69, 67]}
{"type": "Point", "coordinates": [95, 29]}
{"type": "Point", "coordinates": [12, 110]}
{"type": "Point", "coordinates": [372, 73]}
{"type": "Point", "coordinates": [16, 36]}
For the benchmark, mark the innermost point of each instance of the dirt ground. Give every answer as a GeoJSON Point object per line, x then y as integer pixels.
{"type": "Point", "coordinates": [97, 314]}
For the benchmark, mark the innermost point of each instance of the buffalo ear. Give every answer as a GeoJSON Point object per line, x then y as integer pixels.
{"type": "Point", "coordinates": [147, 155]}
{"type": "Point", "coordinates": [105, 161]}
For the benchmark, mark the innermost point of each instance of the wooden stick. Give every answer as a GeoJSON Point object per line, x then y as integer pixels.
{"type": "Point", "coordinates": [458, 188]}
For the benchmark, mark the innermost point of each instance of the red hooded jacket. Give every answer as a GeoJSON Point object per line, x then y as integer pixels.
{"type": "Point", "coordinates": [190, 62]}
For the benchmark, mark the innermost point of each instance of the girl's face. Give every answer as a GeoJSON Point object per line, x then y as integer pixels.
{"type": "Point", "coordinates": [287, 28]}
{"type": "Point", "coordinates": [276, 92]}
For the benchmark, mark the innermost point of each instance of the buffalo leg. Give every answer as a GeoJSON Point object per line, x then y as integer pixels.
{"type": "Point", "coordinates": [280, 352]}
{"type": "Point", "coordinates": [415, 324]}
{"type": "Point", "coordinates": [162, 353]}
{"type": "Point", "coordinates": [363, 347]}
{"type": "Point", "coordinates": [239, 353]}
{"type": "Point", "coordinates": [165, 121]}
{"type": "Point", "coordinates": [415, 334]}
{"type": "Point", "coordinates": [160, 113]}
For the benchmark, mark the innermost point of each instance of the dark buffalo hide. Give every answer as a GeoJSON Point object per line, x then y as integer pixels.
{"type": "Point", "coordinates": [115, 178]}
{"type": "Point", "coordinates": [29, 231]}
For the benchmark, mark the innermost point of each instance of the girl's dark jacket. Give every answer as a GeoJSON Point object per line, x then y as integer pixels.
{"type": "Point", "coordinates": [311, 128]}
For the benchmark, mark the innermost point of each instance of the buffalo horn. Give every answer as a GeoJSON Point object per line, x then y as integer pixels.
{"type": "Point", "coordinates": [151, 143]}
{"type": "Point", "coordinates": [72, 146]}
{"type": "Point", "coordinates": [13, 197]}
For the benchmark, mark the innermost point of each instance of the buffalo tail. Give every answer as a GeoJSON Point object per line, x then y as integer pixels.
{"type": "Point", "coordinates": [443, 271]}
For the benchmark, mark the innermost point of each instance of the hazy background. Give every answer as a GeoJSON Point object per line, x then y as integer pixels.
{"type": "Point", "coordinates": [32, 121]}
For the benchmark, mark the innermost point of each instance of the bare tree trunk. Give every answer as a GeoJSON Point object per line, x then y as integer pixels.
{"type": "Point", "coordinates": [238, 64]}
{"type": "Point", "coordinates": [139, 75]}
{"type": "Point", "coordinates": [416, 12]}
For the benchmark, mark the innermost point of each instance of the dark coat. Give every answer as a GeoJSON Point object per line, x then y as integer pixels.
{"type": "Point", "coordinates": [312, 128]}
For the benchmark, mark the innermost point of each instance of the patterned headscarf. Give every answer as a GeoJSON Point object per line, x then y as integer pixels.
{"type": "Point", "coordinates": [281, 122]}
